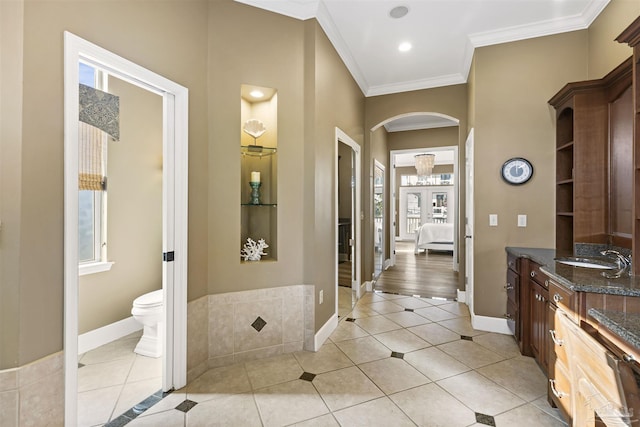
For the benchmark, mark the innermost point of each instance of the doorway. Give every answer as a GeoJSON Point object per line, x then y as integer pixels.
{"type": "Point", "coordinates": [347, 228]}
{"type": "Point", "coordinates": [173, 167]}
{"type": "Point", "coordinates": [379, 241]}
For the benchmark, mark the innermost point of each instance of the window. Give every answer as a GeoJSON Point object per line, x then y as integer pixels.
{"type": "Point", "coordinates": [92, 214]}
{"type": "Point", "coordinates": [441, 179]}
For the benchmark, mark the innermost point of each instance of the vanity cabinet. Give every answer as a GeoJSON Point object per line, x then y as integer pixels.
{"type": "Point", "coordinates": [538, 318]}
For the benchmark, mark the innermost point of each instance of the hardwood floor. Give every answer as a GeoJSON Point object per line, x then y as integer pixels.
{"type": "Point", "coordinates": [429, 275]}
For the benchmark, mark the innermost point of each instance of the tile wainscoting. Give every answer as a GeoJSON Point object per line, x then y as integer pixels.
{"type": "Point", "coordinates": [33, 395]}
{"type": "Point", "coordinates": [249, 325]}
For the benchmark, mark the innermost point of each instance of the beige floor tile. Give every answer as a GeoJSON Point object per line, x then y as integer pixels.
{"type": "Point", "coordinates": [407, 319]}
{"type": "Point", "coordinates": [134, 393]}
{"type": "Point", "coordinates": [527, 416]}
{"type": "Point", "coordinates": [391, 296]}
{"type": "Point", "coordinates": [401, 341]}
{"type": "Point", "coordinates": [435, 363]}
{"type": "Point", "coordinates": [323, 421]}
{"type": "Point", "coordinates": [365, 349]}
{"type": "Point", "coordinates": [462, 326]}
{"type": "Point", "coordinates": [393, 375]}
{"type": "Point", "coordinates": [104, 374]}
{"type": "Point", "coordinates": [218, 383]}
{"type": "Point", "coordinates": [347, 331]}
{"type": "Point", "coordinates": [289, 403]}
{"type": "Point", "coordinates": [504, 345]}
{"type": "Point", "coordinates": [435, 314]}
{"type": "Point", "coordinates": [345, 387]}
{"type": "Point", "coordinates": [434, 301]}
{"type": "Point", "coordinates": [411, 303]}
{"type": "Point", "coordinates": [471, 354]}
{"type": "Point", "coordinates": [383, 307]}
{"type": "Point", "coordinates": [235, 410]}
{"type": "Point", "coordinates": [377, 324]}
{"type": "Point", "coordinates": [96, 406]}
{"type": "Point", "coordinates": [274, 370]}
{"type": "Point", "coordinates": [165, 419]}
{"type": "Point", "coordinates": [145, 368]}
{"type": "Point", "coordinates": [430, 405]}
{"type": "Point", "coordinates": [520, 375]}
{"type": "Point", "coordinates": [328, 358]}
{"type": "Point", "coordinates": [434, 334]}
{"type": "Point", "coordinates": [370, 297]}
{"type": "Point", "coordinates": [168, 403]}
{"type": "Point", "coordinates": [119, 349]}
{"type": "Point", "coordinates": [480, 394]}
{"type": "Point", "coordinates": [377, 413]}
{"type": "Point", "coordinates": [459, 308]}
{"type": "Point", "coordinates": [542, 404]}
{"type": "Point", "coordinates": [363, 310]}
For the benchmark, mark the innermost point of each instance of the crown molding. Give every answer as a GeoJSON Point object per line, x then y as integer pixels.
{"type": "Point", "coordinates": [299, 9]}
{"type": "Point", "coordinates": [448, 80]}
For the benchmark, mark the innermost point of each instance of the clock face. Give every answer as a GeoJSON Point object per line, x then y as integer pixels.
{"type": "Point", "coordinates": [517, 171]}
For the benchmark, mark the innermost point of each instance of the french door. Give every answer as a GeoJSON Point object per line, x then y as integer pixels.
{"type": "Point", "coordinates": [421, 205]}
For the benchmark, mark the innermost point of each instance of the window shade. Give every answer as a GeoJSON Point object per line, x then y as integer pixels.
{"type": "Point", "coordinates": [91, 158]}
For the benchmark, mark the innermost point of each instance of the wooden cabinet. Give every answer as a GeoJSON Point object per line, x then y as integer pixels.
{"type": "Point", "coordinates": [512, 289]}
{"type": "Point", "coordinates": [631, 36]}
{"type": "Point", "coordinates": [538, 317]}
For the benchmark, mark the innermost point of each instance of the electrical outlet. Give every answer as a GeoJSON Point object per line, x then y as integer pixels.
{"type": "Point", "coordinates": [493, 220]}
{"type": "Point", "coordinates": [522, 220]}
{"type": "Point", "coordinates": [320, 297]}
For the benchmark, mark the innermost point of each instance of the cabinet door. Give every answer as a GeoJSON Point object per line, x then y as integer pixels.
{"type": "Point", "coordinates": [539, 323]}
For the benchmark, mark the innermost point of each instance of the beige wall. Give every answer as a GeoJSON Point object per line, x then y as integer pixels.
{"type": "Point", "coordinates": [169, 38]}
{"type": "Point", "coordinates": [332, 100]}
{"type": "Point", "coordinates": [134, 218]}
{"type": "Point", "coordinates": [11, 39]}
{"type": "Point", "coordinates": [513, 83]}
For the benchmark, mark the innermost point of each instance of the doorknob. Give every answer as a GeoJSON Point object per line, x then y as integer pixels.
{"type": "Point", "coordinates": [467, 236]}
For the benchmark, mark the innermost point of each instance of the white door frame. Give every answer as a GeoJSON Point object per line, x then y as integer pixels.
{"type": "Point", "coordinates": [357, 219]}
{"type": "Point", "coordinates": [469, 224]}
{"type": "Point", "coordinates": [394, 215]}
{"type": "Point", "coordinates": [385, 262]}
{"type": "Point", "coordinates": [174, 209]}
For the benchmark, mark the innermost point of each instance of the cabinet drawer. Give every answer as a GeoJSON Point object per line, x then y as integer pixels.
{"type": "Point", "coordinates": [512, 317]}
{"type": "Point", "coordinates": [560, 388]}
{"type": "Point", "coordinates": [558, 335]}
{"type": "Point", "coordinates": [537, 275]}
{"type": "Point", "coordinates": [513, 263]}
{"type": "Point", "coordinates": [513, 281]}
{"type": "Point", "coordinates": [563, 298]}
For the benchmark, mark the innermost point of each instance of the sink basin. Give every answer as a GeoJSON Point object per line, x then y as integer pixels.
{"type": "Point", "coordinates": [587, 263]}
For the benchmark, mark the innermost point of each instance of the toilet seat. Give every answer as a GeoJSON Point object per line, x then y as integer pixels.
{"type": "Point", "coordinates": [149, 300]}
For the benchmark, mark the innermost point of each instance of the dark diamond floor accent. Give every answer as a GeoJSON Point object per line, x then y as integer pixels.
{"type": "Point", "coordinates": [81, 365]}
{"type": "Point", "coordinates": [465, 337]}
{"type": "Point", "coordinates": [397, 355]}
{"type": "Point", "coordinates": [258, 324]}
{"type": "Point", "coordinates": [485, 419]}
{"type": "Point", "coordinates": [307, 376]}
{"type": "Point", "coordinates": [186, 406]}
{"type": "Point", "coordinates": [350, 319]}
{"type": "Point", "coordinates": [409, 309]}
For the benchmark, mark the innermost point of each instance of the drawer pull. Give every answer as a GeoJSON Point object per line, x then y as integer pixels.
{"type": "Point", "coordinates": [509, 287]}
{"type": "Point", "coordinates": [546, 283]}
{"type": "Point", "coordinates": [507, 315]}
{"type": "Point", "coordinates": [557, 298]}
{"type": "Point", "coordinates": [557, 393]}
{"type": "Point", "coordinates": [533, 274]}
{"type": "Point", "coordinates": [557, 341]}
{"type": "Point", "coordinates": [628, 358]}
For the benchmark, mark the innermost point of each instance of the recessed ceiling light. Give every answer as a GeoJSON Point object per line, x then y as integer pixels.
{"type": "Point", "coordinates": [404, 47]}
{"type": "Point", "coordinates": [398, 12]}
{"type": "Point", "coordinates": [256, 93]}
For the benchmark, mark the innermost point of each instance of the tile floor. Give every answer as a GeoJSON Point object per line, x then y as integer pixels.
{"type": "Point", "coordinates": [112, 379]}
{"type": "Point", "coordinates": [395, 361]}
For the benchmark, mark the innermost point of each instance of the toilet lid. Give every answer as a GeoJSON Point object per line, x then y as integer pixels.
{"type": "Point", "coordinates": [149, 300]}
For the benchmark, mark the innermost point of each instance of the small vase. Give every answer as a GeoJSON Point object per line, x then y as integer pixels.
{"type": "Point", "coordinates": [255, 193]}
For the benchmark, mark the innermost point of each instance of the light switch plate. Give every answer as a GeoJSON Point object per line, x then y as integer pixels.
{"type": "Point", "coordinates": [493, 220]}
{"type": "Point", "coordinates": [522, 220]}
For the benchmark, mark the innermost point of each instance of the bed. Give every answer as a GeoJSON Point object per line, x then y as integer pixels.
{"type": "Point", "coordinates": [437, 237]}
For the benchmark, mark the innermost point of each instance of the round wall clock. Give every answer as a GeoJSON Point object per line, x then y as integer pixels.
{"type": "Point", "coordinates": [517, 171]}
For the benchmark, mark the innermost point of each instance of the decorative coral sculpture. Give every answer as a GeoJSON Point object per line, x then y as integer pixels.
{"type": "Point", "coordinates": [252, 251]}
{"type": "Point", "coordinates": [255, 128]}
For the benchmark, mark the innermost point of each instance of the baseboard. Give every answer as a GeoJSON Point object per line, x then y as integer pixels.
{"type": "Point", "coordinates": [490, 324]}
{"type": "Point", "coordinates": [387, 263]}
{"type": "Point", "coordinates": [462, 296]}
{"type": "Point", "coordinates": [368, 286]}
{"type": "Point", "coordinates": [324, 332]}
{"type": "Point", "coordinates": [106, 334]}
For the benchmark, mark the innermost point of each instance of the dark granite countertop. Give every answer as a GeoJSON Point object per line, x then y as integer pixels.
{"type": "Point", "coordinates": [578, 279]}
{"type": "Point", "coordinates": [625, 325]}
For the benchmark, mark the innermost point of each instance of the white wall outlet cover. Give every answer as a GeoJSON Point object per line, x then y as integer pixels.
{"type": "Point", "coordinates": [522, 220]}
{"type": "Point", "coordinates": [321, 297]}
{"type": "Point", "coordinates": [493, 220]}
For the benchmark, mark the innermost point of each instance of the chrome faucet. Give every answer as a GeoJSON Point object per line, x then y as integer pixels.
{"type": "Point", "coordinates": [624, 264]}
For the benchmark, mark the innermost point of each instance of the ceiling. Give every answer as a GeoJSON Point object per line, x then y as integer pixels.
{"type": "Point", "coordinates": [443, 34]}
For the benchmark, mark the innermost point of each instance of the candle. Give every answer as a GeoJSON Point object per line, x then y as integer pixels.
{"type": "Point", "coordinates": [255, 176]}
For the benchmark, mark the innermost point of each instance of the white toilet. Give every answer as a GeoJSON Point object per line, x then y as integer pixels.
{"type": "Point", "coordinates": [148, 310]}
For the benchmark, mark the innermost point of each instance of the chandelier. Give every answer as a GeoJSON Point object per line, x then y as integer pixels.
{"type": "Point", "coordinates": [424, 164]}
